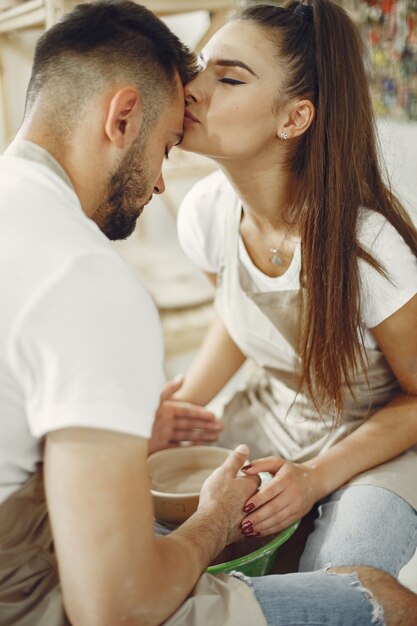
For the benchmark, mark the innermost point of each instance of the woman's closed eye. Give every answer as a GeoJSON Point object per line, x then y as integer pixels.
{"type": "Point", "coordinates": [231, 81]}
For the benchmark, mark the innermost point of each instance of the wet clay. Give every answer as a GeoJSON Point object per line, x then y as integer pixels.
{"type": "Point", "coordinates": [183, 481]}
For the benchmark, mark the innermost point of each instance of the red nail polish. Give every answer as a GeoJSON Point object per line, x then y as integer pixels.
{"type": "Point", "coordinates": [247, 524]}
{"type": "Point", "coordinates": [249, 507]}
{"type": "Point", "coordinates": [248, 466]}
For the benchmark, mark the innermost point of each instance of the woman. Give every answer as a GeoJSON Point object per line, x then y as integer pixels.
{"type": "Point", "coordinates": [316, 271]}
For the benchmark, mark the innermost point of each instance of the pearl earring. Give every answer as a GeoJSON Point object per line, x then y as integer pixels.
{"type": "Point", "coordinates": [284, 135]}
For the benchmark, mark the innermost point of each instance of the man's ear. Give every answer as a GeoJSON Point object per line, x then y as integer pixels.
{"type": "Point", "coordinates": [124, 117]}
{"type": "Point", "coordinates": [298, 119]}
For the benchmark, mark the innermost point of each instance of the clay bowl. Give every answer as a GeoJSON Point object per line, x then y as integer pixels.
{"type": "Point", "coordinates": [177, 475]}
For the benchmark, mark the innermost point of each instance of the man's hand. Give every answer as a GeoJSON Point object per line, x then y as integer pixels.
{"type": "Point", "coordinates": [177, 421]}
{"type": "Point", "coordinates": [224, 493]}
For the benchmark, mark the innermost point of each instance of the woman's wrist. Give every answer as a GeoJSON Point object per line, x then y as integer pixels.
{"type": "Point", "coordinates": [319, 483]}
{"type": "Point", "coordinates": [191, 391]}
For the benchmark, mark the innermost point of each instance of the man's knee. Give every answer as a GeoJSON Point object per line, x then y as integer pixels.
{"type": "Point", "coordinates": [398, 603]}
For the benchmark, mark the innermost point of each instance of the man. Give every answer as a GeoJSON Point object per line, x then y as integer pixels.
{"type": "Point", "coordinates": [81, 348]}
{"type": "Point", "coordinates": [81, 354]}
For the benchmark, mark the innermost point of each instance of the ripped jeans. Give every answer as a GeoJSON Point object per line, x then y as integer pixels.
{"type": "Point", "coordinates": [315, 598]}
{"type": "Point", "coordinates": [359, 525]}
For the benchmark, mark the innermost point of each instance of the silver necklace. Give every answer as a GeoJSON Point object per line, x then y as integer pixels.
{"type": "Point", "coordinates": [276, 255]}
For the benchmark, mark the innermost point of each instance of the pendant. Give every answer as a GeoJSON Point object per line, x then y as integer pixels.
{"type": "Point", "coordinates": [275, 258]}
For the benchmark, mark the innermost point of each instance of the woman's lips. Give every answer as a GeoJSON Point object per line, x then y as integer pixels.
{"type": "Point", "coordinates": [188, 116]}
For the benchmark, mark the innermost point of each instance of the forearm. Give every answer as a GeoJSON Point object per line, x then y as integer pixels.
{"type": "Point", "coordinates": [388, 433]}
{"type": "Point", "coordinates": [147, 596]}
{"type": "Point", "coordinates": [113, 569]}
{"type": "Point", "coordinates": [218, 360]}
{"type": "Point", "coordinates": [180, 558]}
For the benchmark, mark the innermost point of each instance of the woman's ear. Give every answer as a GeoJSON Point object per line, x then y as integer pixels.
{"type": "Point", "coordinates": [300, 115]}
{"type": "Point", "coordinates": [124, 117]}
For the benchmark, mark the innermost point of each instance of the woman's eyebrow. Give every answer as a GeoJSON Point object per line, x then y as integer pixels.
{"type": "Point", "coordinates": [234, 63]}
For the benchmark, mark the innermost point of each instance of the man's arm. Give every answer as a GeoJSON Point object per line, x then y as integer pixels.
{"type": "Point", "coordinates": [113, 569]}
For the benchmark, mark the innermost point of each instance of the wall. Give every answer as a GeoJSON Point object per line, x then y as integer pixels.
{"type": "Point", "coordinates": [398, 139]}
{"type": "Point", "coordinates": [399, 147]}
{"type": "Point", "coordinates": [16, 60]}
{"type": "Point", "coordinates": [16, 53]}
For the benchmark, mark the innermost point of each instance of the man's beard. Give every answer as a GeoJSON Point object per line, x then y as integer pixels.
{"type": "Point", "coordinates": [128, 189]}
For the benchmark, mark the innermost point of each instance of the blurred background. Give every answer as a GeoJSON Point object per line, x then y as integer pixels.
{"type": "Point", "coordinates": [182, 293]}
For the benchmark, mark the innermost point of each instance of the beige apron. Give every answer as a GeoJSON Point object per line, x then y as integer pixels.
{"type": "Point", "coordinates": [29, 586]}
{"type": "Point", "coordinates": [30, 593]}
{"type": "Point", "coordinates": [267, 413]}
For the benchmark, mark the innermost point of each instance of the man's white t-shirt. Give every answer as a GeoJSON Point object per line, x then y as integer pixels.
{"type": "Point", "coordinates": [80, 340]}
{"type": "Point", "coordinates": [201, 232]}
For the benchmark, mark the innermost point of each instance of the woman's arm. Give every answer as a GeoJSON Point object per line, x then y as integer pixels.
{"type": "Point", "coordinates": [388, 433]}
{"type": "Point", "coordinates": [177, 421]}
{"type": "Point", "coordinates": [180, 416]}
{"type": "Point", "coordinates": [392, 429]}
{"type": "Point", "coordinates": [218, 359]}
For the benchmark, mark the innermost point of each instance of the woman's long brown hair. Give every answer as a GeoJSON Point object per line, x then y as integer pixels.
{"type": "Point", "coordinates": [321, 57]}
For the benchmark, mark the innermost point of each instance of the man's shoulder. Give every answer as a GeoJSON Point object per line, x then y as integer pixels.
{"type": "Point", "coordinates": [46, 240]}
{"type": "Point", "coordinates": [18, 174]}
{"type": "Point", "coordinates": [41, 212]}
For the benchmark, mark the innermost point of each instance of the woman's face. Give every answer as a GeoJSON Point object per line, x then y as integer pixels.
{"type": "Point", "coordinates": [230, 104]}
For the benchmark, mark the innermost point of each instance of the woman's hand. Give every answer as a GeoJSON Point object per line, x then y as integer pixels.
{"type": "Point", "coordinates": [177, 421]}
{"type": "Point", "coordinates": [289, 496]}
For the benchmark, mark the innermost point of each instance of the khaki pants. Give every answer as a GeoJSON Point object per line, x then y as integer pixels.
{"type": "Point", "coordinates": [29, 584]}
{"type": "Point", "coordinates": [30, 593]}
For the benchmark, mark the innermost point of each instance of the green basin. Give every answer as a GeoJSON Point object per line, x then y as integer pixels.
{"type": "Point", "coordinates": [258, 562]}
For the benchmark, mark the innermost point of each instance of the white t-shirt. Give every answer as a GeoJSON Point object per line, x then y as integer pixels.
{"type": "Point", "coordinates": [201, 232]}
{"type": "Point", "coordinates": [80, 339]}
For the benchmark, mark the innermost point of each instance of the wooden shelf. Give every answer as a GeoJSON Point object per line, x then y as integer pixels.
{"type": "Point", "coordinates": [43, 13]}
{"type": "Point", "coordinates": [170, 7]}
{"type": "Point", "coordinates": [26, 15]}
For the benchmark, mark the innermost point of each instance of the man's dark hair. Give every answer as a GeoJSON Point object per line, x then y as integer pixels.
{"type": "Point", "coordinates": [107, 41]}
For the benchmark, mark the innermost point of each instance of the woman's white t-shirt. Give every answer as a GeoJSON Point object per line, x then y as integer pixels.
{"type": "Point", "coordinates": [201, 232]}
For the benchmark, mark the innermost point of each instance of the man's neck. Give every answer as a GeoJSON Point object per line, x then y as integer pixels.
{"type": "Point", "coordinates": [83, 173]}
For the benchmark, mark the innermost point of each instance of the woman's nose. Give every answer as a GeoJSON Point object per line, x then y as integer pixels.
{"type": "Point", "coordinates": [189, 97]}
{"type": "Point", "coordinates": [159, 186]}
{"type": "Point", "coordinates": [194, 91]}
